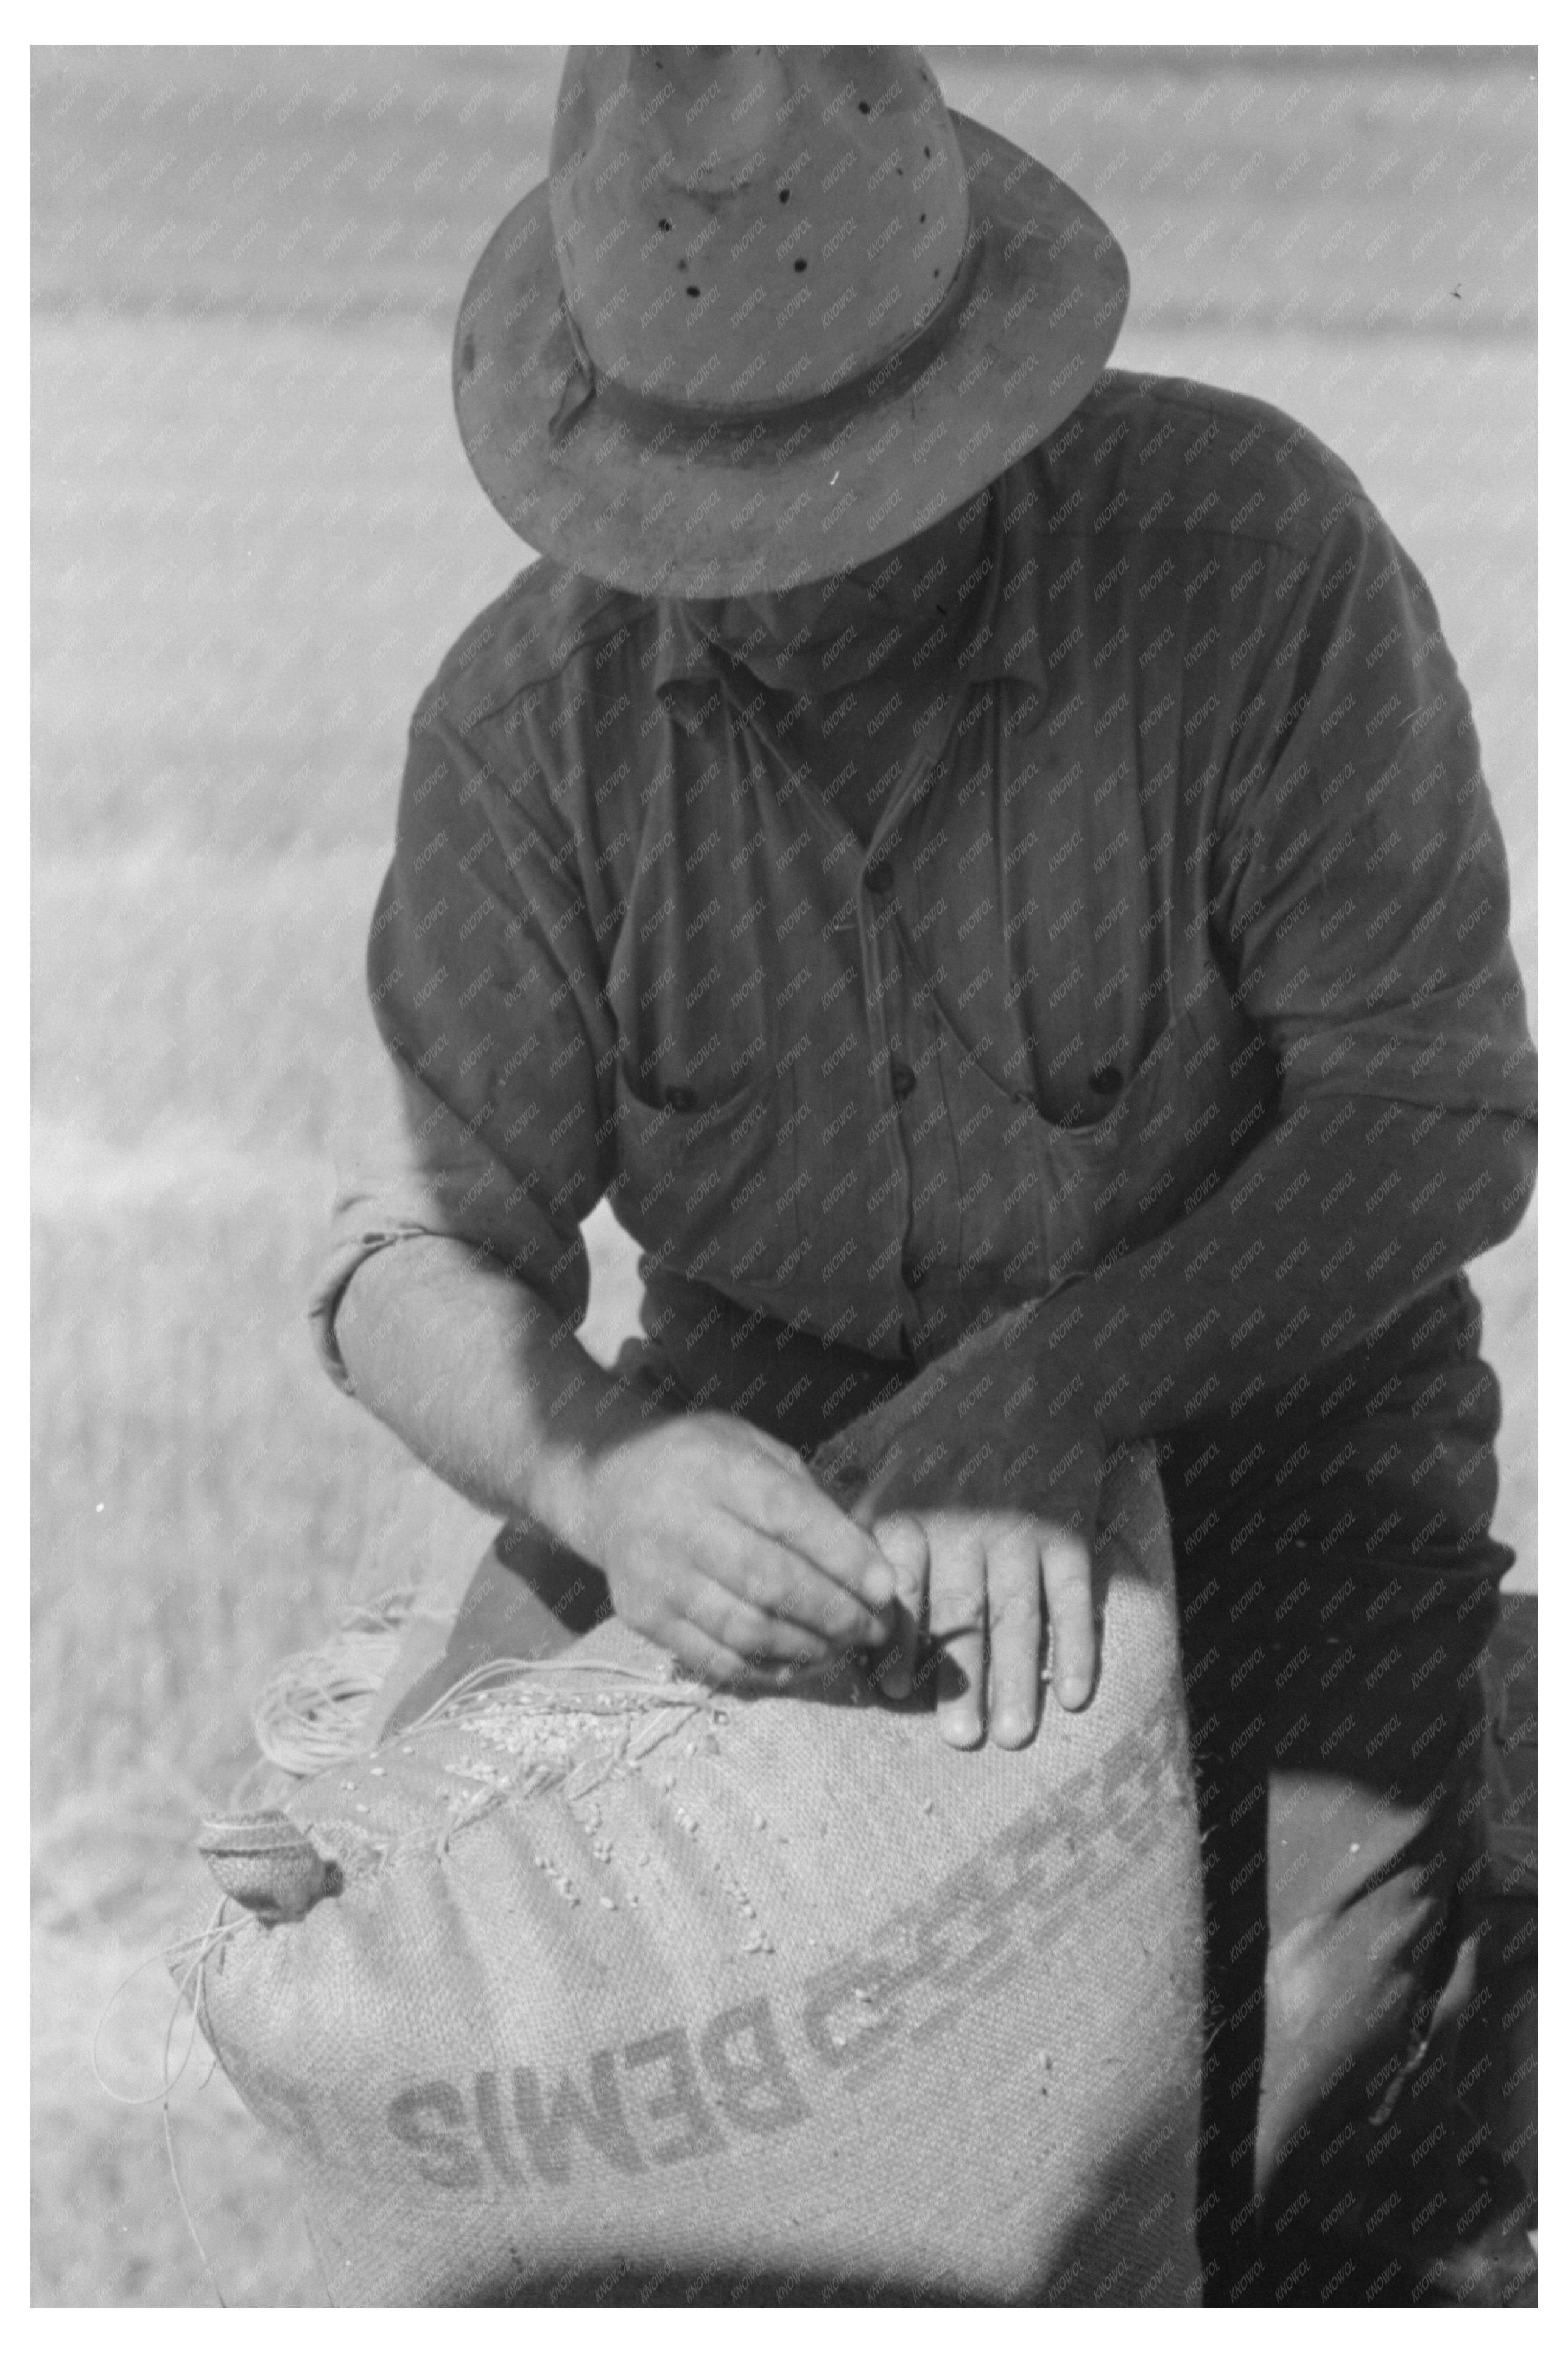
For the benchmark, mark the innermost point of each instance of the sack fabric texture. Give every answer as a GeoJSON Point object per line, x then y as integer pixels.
{"type": "Point", "coordinates": [629, 1991]}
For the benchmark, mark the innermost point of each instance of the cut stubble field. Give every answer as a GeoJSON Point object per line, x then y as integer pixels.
{"type": "Point", "coordinates": [255, 535]}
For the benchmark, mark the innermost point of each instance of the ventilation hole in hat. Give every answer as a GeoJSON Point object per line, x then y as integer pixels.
{"type": "Point", "coordinates": [800, 265]}
{"type": "Point", "coordinates": [864, 107]}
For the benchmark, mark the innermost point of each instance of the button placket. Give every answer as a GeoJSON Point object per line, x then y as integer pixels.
{"type": "Point", "coordinates": [904, 1081]}
{"type": "Point", "coordinates": [927, 1144]}
{"type": "Point", "coordinates": [887, 980]}
{"type": "Point", "coordinates": [881, 965]}
{"type": "Point", "coordinates": [874, 914]}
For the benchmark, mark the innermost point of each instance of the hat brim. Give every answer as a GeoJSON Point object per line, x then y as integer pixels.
{"type": "Point", "coordinates": [737, 507]}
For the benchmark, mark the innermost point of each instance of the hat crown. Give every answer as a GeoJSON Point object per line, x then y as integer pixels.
{"type": "Point", "coordinates": [746, 226]}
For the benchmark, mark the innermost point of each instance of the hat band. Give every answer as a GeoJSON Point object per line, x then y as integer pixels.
{"type": "Point", "coordinates": [685, 428]}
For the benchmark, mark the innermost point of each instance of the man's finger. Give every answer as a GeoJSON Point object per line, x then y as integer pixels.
{"type": "Point", "coordinates": [700, 1655]}
{"type": "Point", "coordinates": [901, 1540]}
{"type": "Point", "coordinates": [956, 1612]}
{"type": "Point", "coordinates": [1069, 1600]}
{"type": "Point", "coordinates": [779, 1581]}
{"type": "Point", "coordinates": [764, 1640]}
{"type": "Point", "coordinates": [798, 1513]}
{"type": "Point", "coordinates": [1013, 1604]}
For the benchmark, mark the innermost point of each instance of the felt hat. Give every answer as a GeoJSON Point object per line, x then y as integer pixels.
{"type": "Point", "coordinates": [774, 312]}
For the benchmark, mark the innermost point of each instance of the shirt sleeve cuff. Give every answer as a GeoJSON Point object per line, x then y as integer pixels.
{"type": "Point", "coordinates": [413, 1170]}
{"type": "Point", "coordinates": [336, 1271]}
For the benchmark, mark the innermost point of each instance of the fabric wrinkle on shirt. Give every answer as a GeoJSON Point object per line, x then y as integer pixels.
{"type": "Point", "coordinates": [1201, 836]}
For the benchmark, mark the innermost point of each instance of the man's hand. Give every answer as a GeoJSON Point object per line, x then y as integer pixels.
{"type": "Point", "coordinates": [983, 1494]}
{"type": "Point", "coordinates": [981, 1587]}
{"type": "Point", "coordinates": [719, 1546]}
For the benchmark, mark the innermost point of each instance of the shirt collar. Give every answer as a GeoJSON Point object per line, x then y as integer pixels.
{"type": "Point", "coordinates": [689, 669]}
{"type": "Point", "coordinates": [1002, 641]}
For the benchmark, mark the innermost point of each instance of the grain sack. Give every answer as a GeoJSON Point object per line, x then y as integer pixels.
{"type": "Point", "coordinates": [598, 1984]}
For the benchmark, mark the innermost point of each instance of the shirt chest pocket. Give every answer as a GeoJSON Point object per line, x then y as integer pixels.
{"type": "Point", "coordinates": [1195, 1106]}
{"type": "Point", "coordinates": [709, 1190]}
{"type": "Point", "coordinates": [1045, 1201]}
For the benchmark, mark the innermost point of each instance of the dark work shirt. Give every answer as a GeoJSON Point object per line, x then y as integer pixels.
{"type": "Point", "coordinates": [1196, 830]}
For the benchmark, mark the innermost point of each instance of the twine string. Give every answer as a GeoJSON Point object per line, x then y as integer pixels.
{"type": "Point", "coordinates": [312, 1711]}
{"type": "Point", "coordinates": [479, 1684]}
{"type": "Point", "coordinates": [197, 1950]}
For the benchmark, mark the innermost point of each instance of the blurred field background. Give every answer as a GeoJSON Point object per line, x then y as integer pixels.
{"type": "Point", "coordinates": [254, 536]}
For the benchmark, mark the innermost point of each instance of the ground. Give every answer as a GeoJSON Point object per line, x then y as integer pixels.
{"type": "Point", "coordinates": [254, 536]}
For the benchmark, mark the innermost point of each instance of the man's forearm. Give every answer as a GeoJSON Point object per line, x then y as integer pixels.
{"type": "Point", "coordinates": [480, 1379]}
{"type": "Point", "coordinates": [1342, 1215]}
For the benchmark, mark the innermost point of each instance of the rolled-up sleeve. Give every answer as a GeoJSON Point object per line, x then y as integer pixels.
{"type": "Point", "coordinates": [484, 1122]}
{"type": "Point", "coordinates": [1360, 887]}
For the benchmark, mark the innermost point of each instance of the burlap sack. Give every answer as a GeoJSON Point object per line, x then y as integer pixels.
{"type": "Point", "coordinates": [617, 1988]}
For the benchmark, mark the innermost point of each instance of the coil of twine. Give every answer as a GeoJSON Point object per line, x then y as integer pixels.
{"type": "Point", "coordinates": [313, 1709]}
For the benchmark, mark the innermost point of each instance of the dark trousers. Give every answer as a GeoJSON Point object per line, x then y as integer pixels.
{"type": "Point", "coordinates": [1338, 1729]}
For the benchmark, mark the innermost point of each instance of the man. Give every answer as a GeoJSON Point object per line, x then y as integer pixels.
{"type": "Point", "coordinates": [986, 858]}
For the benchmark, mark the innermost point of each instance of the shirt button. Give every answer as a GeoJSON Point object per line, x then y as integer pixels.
{"type": "Point", "coordinates": [680, 1098]}
{"type": "Point", "coordinates": [1107, 1081]}
{"type": "Point", "coordinates": [913, 1275]}
{"type": "Point", "coordinates": [879, 878]}
{"type": "Point", "coordinates": [904, 1081]}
